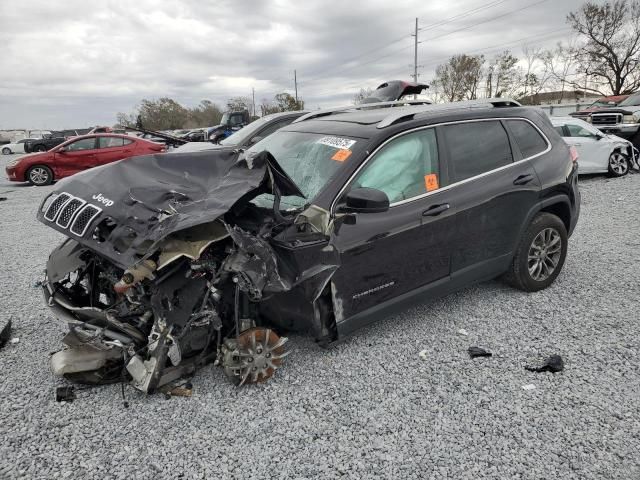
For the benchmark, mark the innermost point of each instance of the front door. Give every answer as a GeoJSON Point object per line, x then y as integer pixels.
{"type": "Point", "coordinates": [75, 157]}
{"type": "Point", "coordinates": [389, 254]}
{"type": "Point", "coordinates": [593, 153]}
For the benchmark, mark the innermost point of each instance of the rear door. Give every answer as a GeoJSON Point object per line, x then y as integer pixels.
{"type": "Point", "coordinates": [495, 187]}
{"type": "Point", "coordinates": [76, 156]}
{"type": "Point", "coordinates": [112, 149]}
{"type": "Point", "coordinates": [388, 254]}
{"type": "Point", "coordinates": [593, 153]}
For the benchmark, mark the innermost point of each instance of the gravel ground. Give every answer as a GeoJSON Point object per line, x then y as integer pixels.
{"type": "Point", "coordinates": [370, 407]}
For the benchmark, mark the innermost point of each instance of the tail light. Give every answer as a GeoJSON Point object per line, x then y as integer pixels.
{"type": "Point", "coordinates": [574, 154]}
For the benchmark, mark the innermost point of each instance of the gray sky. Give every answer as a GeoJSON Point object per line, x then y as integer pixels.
{"type": "Point", "coordinates": [75, 63]}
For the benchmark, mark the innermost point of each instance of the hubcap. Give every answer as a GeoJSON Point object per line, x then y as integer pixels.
{"type": "Point", "coordinates": [618, 163]}
{"type": "Point", "coordinates": [544, 254]}
{"type": "Point", "coordinates": [39, 175]}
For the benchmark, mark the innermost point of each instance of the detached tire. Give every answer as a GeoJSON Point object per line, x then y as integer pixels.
{"type": "Point", "coordinates": [40, 175]}
{"type": "Point", "coordinates": [540, 254]}
{"type": "Point", "coordinates": [618, 164]}
{"type": "Point", "coordinates": [6, 151]}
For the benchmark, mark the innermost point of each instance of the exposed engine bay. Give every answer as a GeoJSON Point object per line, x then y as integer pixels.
{"type": "Point", "coordinates": [163, 273]}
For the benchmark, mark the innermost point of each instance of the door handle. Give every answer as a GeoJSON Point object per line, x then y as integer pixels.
{"type": "Point", "coordinates": [434, 210]}
{"type": "Point", "coordinates": [523, 179]}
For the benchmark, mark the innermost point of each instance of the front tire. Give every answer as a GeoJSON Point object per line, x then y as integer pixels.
{"type": "Point", "coordinates": [40, 175]}
{"type": "Point", "coordinates": [6, 151]}
{"type": "Point", "coordinates": [540, 254]}
{"type": "Point", "coordinates": [618, 164]}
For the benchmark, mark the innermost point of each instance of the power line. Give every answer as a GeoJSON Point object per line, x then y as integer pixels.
{"type": "Point", "coordinates": [462, 15]}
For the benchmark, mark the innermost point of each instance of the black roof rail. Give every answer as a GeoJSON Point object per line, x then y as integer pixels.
{"type": "Point", "coordinates": [409, 113]}
{"type": "Point", "coordinates": [364, 106]}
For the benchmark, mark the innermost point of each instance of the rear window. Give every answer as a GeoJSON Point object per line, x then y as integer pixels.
{"type": "Point", "coordinates": [108, 142]}
{"type": "Point", "coordinates": [527, 137]}
{"type": "Point", "coordinates": [560, 130]}
{"type": "Point", "coordinates": [476, 148]}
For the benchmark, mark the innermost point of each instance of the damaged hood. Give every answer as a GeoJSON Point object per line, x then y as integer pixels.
{"type": "Point", "coordinates": [123, 210]}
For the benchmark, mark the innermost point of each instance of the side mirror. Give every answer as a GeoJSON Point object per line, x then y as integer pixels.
{"type": "Point", "coordinates": [367, 200]}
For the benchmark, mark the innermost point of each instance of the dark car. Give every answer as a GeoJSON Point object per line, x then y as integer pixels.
{"type": "Point", "coordinates": [175, 261]}
{"type": "Point", "coordinates": [76, 155]}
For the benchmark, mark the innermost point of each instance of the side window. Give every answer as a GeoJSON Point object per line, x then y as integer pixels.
{"type": "Point", "coordinates": [108, 142]}
{"type": "Point", "coordinates": [476, 148]}
{"type": "Point", "coordinates": [527, 137]}
{"type": "Point", "coordinates": [578, 131]}
{"type": "Point", "coordinates": [82, 144]}
{"type": "Point", "coordinates": [560, 130]}
{"type": "Point", "coordinates": [404, 168]}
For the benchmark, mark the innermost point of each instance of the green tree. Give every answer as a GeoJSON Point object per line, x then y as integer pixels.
{"type": "Point", "coordinates": [205, 114]}
{"type": "Point", "coordinates": [287, 103]}
{"type": "Point", "coordinates": [162, 114]}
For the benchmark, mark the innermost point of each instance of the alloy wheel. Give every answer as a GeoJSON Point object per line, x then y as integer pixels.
{"type": "Point", "coordinates": [544, 254]}
{"type": "Point", "coordinates": [6, 151]}
{"type": "Point", "coordinates": [38, 175]}
{"type": "Point", "coordinates": [618, 163]}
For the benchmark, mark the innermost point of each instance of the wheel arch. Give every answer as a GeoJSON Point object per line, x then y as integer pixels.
{"type": "Point", "coordinates": [558, 205]}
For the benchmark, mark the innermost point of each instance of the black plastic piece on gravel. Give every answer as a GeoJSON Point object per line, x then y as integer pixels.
{"type": "Point", "coordinates": [5, 334]}
{"type": "Point", "coordinates": [65, 394]}
{"type": "Point", "coordinates": [551, 364]}
{"type": "Point", "coordinates": [478, 352]}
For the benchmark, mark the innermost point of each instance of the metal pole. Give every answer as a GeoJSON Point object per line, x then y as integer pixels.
{"type": "Point", "coordinates": [253, 100]}
{"type": "Point", "coordinates": [295, 81]}
{"type": "Point", "coordinates": [415, 57]}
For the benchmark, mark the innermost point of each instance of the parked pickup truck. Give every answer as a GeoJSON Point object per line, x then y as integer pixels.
{"type": "Point", "coordinates": [622, 120]}
{"type": "Point", "coordinates": [47, 142]}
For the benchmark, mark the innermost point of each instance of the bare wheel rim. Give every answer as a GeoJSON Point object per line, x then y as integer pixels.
{"type": "Point", "coordinates": [38, 175]}
{"type": "Point", "coordinates": [544, 254]}
{"type": "Point", "coordinates": [6, 151]}
{"type": "Point", "coordinates": [618, 163]}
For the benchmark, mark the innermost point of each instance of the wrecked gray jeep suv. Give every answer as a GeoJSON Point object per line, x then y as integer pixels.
{"type": "Point", "coordinates": [173, 261]}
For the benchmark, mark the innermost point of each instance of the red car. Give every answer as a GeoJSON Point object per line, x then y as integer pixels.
{"type": "Point", "coordinates": [76, 155]}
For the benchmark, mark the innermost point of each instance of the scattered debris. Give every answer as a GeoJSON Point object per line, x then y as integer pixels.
{"type": "Point", "coordinates": [14, 340]}
{"type": "Point", "coordinates": [2, 199]}
{"type": "Point", "coordinates": [5, 333]}
{"type": "Point", "coordinates": [181, 392]}
{"type": "Point", "coordinates": [551, 364]}
{"type": "Point", "coordinates": [65, 394]}
{"type": "Point", "coordinates": [478, 352]}
{"type": "Point", "coordinates": [423, 354]}
{"type": "Point", "coordinates": [529, 387]}
{"type": "Point", "coordinates": [462, 331]}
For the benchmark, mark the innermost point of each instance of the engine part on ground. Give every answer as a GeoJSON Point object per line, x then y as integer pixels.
{"type": "Point", "coordinates": [254, 356]}
{"type": "Point", "coordinates": [478, 352]}
{"type": "Point", "coordinates": [65, 394]}
{"type": "Point", "coordinates": [552, 364]}
{"type": "Point", "coordinates": [83, 358]}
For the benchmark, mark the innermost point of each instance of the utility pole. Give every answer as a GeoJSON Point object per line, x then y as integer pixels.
{"type": "Point", "coordinates": [415, 57]}
{"type": "Point", "coordinates": [295, 82]}
{"type": "Point", "coordinates": [253, 100]}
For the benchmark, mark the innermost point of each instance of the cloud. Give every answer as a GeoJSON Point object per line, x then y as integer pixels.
{"type": "Point", "coordinates": [76, 63]}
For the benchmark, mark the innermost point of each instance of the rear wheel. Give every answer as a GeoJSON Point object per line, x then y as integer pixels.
{"type": "Point", "coordinates": [6, 151]}
{"type": "Point", "coordinates": [540, 254]}
{"type": "Point", "coordinates": [618, 164]}
{"type": "Point", "coordinates": [39, 148]}
{"type": "Point", "coordinates": [40, 175]}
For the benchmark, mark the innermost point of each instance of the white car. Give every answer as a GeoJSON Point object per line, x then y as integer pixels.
{"type": "Point", "coordinates": [597, 152]}
{"type": "Point", "coordinates": [17, 147]}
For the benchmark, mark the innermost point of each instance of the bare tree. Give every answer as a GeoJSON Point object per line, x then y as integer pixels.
{"type": "Point", "coordinates": [612, 46]}
{"type": "Point", "coordinates": [362, 94]}
{"type": "Point", "coordinates": [503, 76]}
{"type": "Point", "coordinates": [460, 77]}
{"type": "Point", "coordinates": [239, 103]}
{"type": "Point", "coordinates": [561, 62]}
{"type": "Point", "coordinates": [536, 74]}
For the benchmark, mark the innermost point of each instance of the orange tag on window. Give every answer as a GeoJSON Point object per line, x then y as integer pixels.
{"type": "Point", "coordinates": [341, 155]}
{"type": "Point", "coordinates": [431, 182]}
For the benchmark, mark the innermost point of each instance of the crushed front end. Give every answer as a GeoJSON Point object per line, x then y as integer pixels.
{"type": "Point", "coordinates": [173, 268]}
